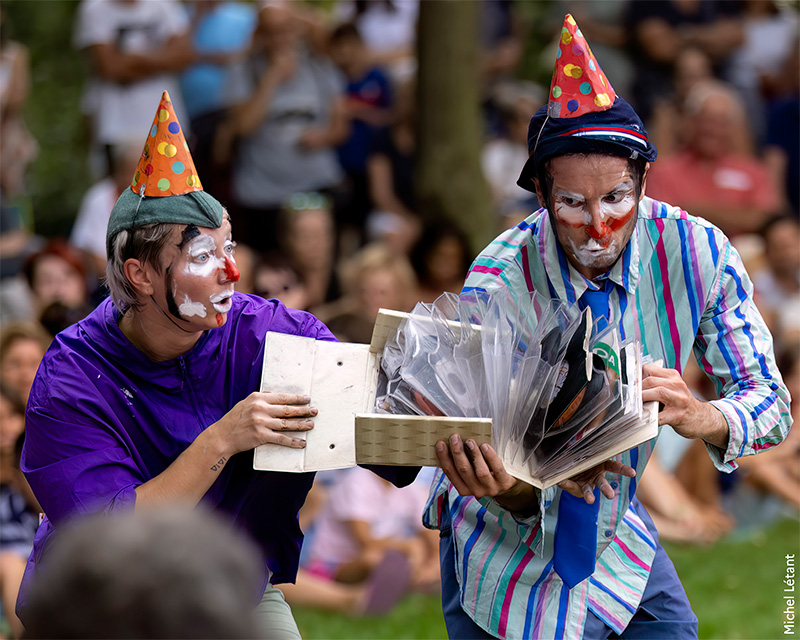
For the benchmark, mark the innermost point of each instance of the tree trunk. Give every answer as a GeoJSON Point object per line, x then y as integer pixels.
{"type": "Point", "coordinates": [449, 180]}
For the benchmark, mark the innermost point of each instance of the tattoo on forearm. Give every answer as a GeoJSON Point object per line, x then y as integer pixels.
{"type": "Point", "coordinates": [219, 465]}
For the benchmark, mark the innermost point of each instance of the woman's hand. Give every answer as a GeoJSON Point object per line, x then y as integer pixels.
{"type": "Point", "coordinates": [264, 418]}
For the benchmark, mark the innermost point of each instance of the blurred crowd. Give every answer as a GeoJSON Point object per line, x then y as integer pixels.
{"type": "Point", "coordinates": [302, 121]}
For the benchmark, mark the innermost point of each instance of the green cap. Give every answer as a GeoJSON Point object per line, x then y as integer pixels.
{"type": "Point", "coordinates": [132, 211]}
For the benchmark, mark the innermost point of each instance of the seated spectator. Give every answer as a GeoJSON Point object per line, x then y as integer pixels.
{"type": "Point", "coordinates": [363, 519]}
{"type": "Point", "coordinates": [16, 244]}
{"type": "Point", "coordinates": [287, 121]}
{"type": "Point", "coordinates": [308, 238]}
{"type": "Point", "coordinates": [57, 273]}
{"type": "Point", "coordinates": [366, 527]}
{"type": "Point", "coordinates": [441, 260]}
{"type": "Point", "coordinates": [501, 155]}
{"type": "Point", "coordinates": [19, 147]}
{"type": "Point", "coordinates": [681, 487]}
{"type": "Point", "coordinates": [368, 108]}
{"type": "Point", "coordinates": [19, 517]}
{"type": "Point", "coordinates": [661, 29]}
{"type": "Point", "coordinates": [275, 277]}
{"type": "Point", "coordinates": [152, 573]}
{"type": "Point", "coordinates": [708, 178]}
{"type": "Point", "coordinates": [778, 472]}
{"type": "Point", "coordinates": [782, 144]}
{"type": "Point", "coordinates": [678, 516]}
{"type": "Point", "coordinates": [757, 66]}
{"type": "Point", "coordinates": [390, 170]}
{"type": "Point", "coordinates": [386, 585]}
{"type": "Point", "coordinates": [22, 347]}
{"type": "Point", "coordinates": [88, 233]}
{"type": "Point", "coordinates": [57, 316]}
{"type": "Point", "coordinates": [374, 278]}
{"type": "Point", "coordinates": [135, 48]}
{"type": "Point", "coordinates": [667, 131]}
{"type": "Point", "coordinates": [12, 426]}
{"type": "Point", "coordinates": [777, 283]}
{"type": "Point", "coordinates": [502, 33]}
{"type": "Point", "coordinates": [389, 29]}
{"type": "Point", "coordinates": [17, 150]}
{"type": "Point", "coordinates": [221, 33]}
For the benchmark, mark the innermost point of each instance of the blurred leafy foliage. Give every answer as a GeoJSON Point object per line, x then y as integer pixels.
{"type": "Point", "coordinates": [58, 177]}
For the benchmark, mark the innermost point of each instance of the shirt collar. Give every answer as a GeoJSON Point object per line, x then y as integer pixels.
{"type": "Point", "coordinates": [116, 347]}
{"type": "Point", "coordinates": [566, 282]}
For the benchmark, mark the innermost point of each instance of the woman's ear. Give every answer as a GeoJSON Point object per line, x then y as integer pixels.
{"type": "Point", "coordinates": [139, 276]}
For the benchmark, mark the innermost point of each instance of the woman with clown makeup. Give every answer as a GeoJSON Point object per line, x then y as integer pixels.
{"type": "Point", "coordinates": [152, 398]}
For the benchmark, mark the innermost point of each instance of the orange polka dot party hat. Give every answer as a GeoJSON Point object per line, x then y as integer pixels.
{"type": "Point", "coordinates": [166, 167]}
{"type": "Point", "coordinates": [165, 186]}
{"type": "Point", "coordinates": [579, 85]}
{"type": "Point", "coordinates": [583, 113]}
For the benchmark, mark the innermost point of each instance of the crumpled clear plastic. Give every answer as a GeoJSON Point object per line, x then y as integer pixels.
{"type": "Point", "coordinates": [541, 369]}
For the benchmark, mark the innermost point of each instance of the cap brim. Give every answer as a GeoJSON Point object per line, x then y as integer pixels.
{"type": "Point", "coordinates": [527, 175]}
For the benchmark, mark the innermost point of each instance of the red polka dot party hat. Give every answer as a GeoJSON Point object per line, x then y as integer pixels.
{"type": "Point", "coordinates": [579, 85]}
{"type": "Point", "coordinates": [166, 167]}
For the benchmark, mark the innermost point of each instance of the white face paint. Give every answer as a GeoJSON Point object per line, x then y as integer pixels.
{"type": "Point", "coordinates": [571, 208]}
{"type": "Point", "coordinates": [594, 206]}
{"type": "Point", "coordinates": [203, 261]}
{"type": "Point", "coordinates": [592, 252]}
{"type": "Point", "coordinates": [189, 308]}
{"type": "Point", "coordinates": [201, 279]}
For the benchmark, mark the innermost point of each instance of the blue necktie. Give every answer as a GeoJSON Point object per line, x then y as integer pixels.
{"type": "Point", "coordinates": [575, 549]}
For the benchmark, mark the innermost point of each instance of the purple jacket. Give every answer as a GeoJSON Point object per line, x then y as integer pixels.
{"type": "Point", "coordinates": [103, 419]}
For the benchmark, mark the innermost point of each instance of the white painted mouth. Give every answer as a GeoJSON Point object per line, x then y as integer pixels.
{"type": "Point", "coordinates": [222, 301]}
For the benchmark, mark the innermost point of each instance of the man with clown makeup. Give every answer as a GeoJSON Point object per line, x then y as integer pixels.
{"type": "Point", "coordinates": [582, 559]}
{"type": "Point", "coordinates": [153, 398]}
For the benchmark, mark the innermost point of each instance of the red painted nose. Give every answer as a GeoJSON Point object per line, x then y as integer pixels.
{"type": "Point", "coordinates": [605, 230]}
{"type": "Point", "coordinates": [231, 272]}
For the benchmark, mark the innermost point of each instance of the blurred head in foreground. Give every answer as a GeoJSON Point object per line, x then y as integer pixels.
{"type": "Point", "coordinates": [166, 573]}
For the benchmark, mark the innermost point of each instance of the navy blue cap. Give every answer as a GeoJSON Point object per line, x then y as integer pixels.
{"type": "Point", "coordinates": [617, 131]}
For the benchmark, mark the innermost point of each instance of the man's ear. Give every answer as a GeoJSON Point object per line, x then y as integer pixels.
{"type": "Point", "coordinates": [644, 180]}
{"type": "Point", "coordinates": [539, 194]}
{"type": "Point", "coordinates": [138, 276]}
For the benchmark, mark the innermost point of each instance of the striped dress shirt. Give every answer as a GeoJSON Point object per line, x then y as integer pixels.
{"type": "Point", "coordinates": [679, 287]}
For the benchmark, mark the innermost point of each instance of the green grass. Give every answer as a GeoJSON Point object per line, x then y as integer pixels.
{"type": "Point", "coordinates": [735, 588]}
{"type": "Point", "coordinates": [418, 616]}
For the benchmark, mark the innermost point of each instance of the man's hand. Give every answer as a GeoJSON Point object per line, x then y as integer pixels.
{"type": "Point", "coordinates": [582, 485]}
{"type": "Point", "coordinates": [479, 472]}
{"type": "Point", "coordinates": [264, 417]}
{"type": "Point", "coordinates": [688, 416]}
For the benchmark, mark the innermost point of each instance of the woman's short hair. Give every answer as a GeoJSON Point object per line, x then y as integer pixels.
{"type": "Point", "coordinates": [144, 244]}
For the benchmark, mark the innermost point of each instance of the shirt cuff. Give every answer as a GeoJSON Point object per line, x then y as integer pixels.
{"type": "Point", "coordinates": [725, 461]}
{"type": "Point", "coordinates": [493, 507]}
